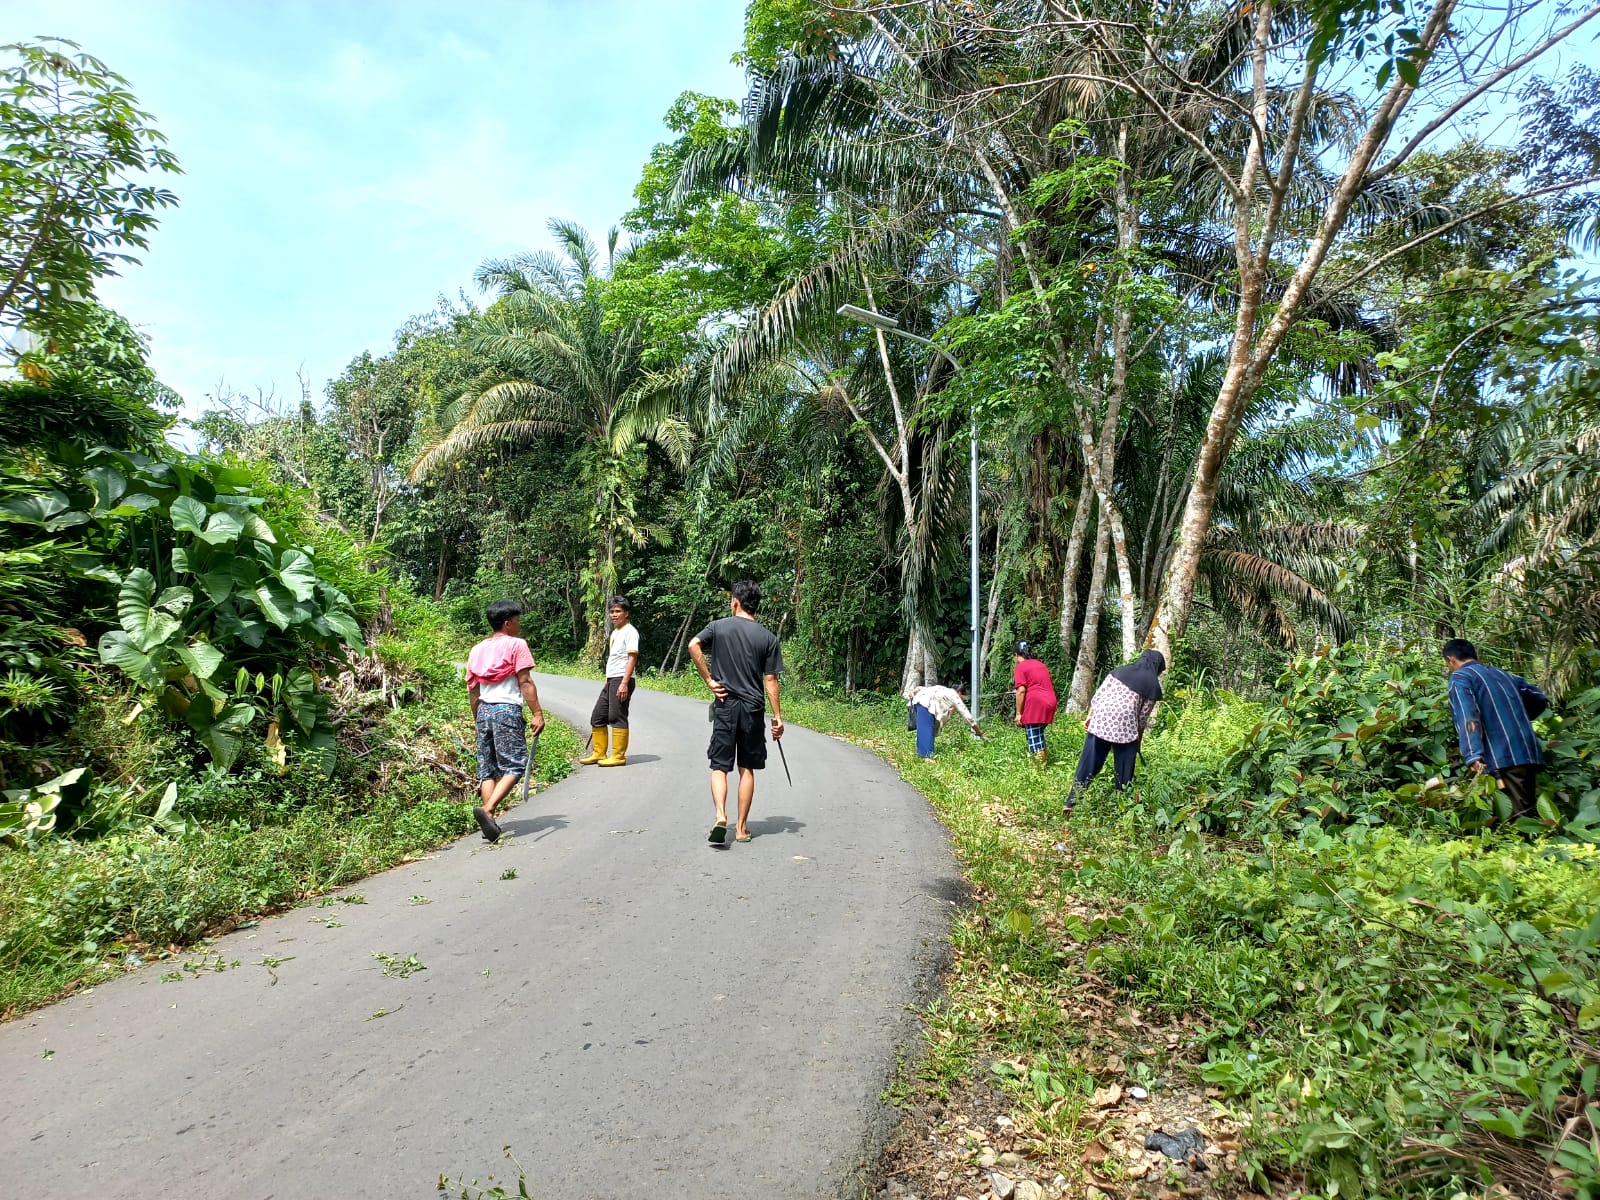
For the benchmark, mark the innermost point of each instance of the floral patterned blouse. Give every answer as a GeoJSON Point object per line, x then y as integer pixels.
{"type": "Point", "coordinates": [1118, 713]}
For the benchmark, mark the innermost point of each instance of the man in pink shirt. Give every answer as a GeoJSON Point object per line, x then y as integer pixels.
{"type": "Point", "coordinates": [499, 684]}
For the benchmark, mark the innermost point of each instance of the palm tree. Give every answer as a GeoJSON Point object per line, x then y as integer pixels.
{"type": "Point", "coordinates": [556, 368]}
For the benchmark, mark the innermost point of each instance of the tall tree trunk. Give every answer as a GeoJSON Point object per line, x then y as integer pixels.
{"type": "Point", "coordinates": [1121, 348]}
{"type": "Point", "coordinates": [443, 577]}
{"type": "Point", "coordinates": [1082, 689]}
{"type": "Point", "coordinates": [1071, 565]}
{"type": "Point", "coordinates": [922, 664]}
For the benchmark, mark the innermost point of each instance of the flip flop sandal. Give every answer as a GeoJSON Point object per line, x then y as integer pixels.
{"type": "Point", "coordinates": [719, 834]}
{"type": "Point", "coordinates": [486, 823]}
{"type": "Point", "coordinates": [745, 838]}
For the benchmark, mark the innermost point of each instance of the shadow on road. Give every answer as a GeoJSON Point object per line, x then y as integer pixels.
{"type": "Point", "coordinates": [543, 826]}
{"type": "Point", "coordinates": [771, 825]}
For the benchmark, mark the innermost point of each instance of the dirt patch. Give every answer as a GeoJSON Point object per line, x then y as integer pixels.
{"type": "Point", "coordinates": [974, 1144]}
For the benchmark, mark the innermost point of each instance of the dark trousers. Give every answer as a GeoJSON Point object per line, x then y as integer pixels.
{"type": "Point", "coordinates": [1123, 754]}
{"type": "Point", "coordinates": [926, 728]}
{"type": "Point", "coordinates": [608, 710]}
{"type": "Point", "coordinates": [1522, 788]}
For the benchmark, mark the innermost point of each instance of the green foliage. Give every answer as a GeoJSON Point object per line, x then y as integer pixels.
{"type": "Point", "coordinates": [1364, 734]}
{"type": "Point", "coordinates": [220, 618]}
{"type": "Point", "coordinates": [73, 194]}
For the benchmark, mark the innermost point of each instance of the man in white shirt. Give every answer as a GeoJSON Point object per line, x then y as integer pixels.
{"type": "Point", "coordinates": [610, 716]}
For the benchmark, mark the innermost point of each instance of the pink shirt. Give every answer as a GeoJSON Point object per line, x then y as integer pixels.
{"type": "Point", "coordinates": [1039, 704]}
{"type": "Point", "coordinates": [497, 657]}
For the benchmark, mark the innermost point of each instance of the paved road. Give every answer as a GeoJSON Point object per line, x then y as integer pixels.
{"type": "Point", "coordinates": [635, 1013]}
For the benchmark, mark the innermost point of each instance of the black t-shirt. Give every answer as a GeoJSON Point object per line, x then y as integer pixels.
{"type": "Point", "coordinates": [742, 653]}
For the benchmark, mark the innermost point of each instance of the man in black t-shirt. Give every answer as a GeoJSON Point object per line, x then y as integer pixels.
{"type": "Point", "coordinates": [748, 663]}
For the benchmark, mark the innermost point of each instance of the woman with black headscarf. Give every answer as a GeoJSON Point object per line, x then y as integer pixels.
{"type": "Point", "coordinates": [1118, 714]}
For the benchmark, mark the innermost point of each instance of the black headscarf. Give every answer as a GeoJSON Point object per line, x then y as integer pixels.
{"type": "Point", "coordinates": [1144, 676]}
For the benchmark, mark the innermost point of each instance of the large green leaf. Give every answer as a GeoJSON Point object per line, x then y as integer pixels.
{"type": "Point", "coordinates": [247, 629]}
{"type": "Point", "coordinates": [202, 659]}
{"type": "Point", "coordinates": [221, 733]}
{"type": "Point", "coordinates": [276, 602]}
{"type": "Point", "coordinates": [175, 600]}
{"type": "Point", "coordinates": [133, 505]}
{"type": "Point", "coordinates": [298, 574]}
{"type": "Point", "coordinates": [345, 626]}
{"type": "Point", "coordinates": [119, 650]}
{"type": "Point", "coordinates": [33, 510]}
{"type": "Point", "coordinates": [146, 625]}
{"type": "Point", "coordinates": [109, 486]}
{"type": "Point", "coordinates": [223, 527]}
{"type": "Point", "coordinates": [218, 582]}
{"type": "Point", "coordinates": [188, 515]}
{"type": "Point", "coordinates": [257, 528]}
{"type": "Point", "coordinates": [305, 703]}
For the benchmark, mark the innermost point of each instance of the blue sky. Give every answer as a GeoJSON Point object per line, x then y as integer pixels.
{"type": "Point", "coordinates": [346, 161]}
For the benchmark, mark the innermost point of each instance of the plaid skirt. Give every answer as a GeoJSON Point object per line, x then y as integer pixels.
{"type": "Point", "coordinates": [1035, 737]}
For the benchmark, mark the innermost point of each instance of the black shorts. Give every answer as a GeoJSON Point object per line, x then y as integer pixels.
{"type": "Point", "coordinates": [738, 736]}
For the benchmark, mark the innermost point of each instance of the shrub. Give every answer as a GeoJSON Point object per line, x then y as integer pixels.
{"type": "Point", "coordinates": [1363, 734]}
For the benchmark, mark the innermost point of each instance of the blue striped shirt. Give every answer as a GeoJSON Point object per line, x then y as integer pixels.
{"type": "Point", "coordinates": [1486, 703]}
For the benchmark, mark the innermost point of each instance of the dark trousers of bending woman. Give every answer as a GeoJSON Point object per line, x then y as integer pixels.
{"type": "Point", "coordinates": [1123, 757]}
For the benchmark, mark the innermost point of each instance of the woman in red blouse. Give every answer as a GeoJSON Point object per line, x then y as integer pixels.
{"type": "Point", "coordinates": [1036, 699]}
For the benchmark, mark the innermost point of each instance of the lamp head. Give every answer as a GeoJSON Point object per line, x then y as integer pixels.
{"type": "Point", "coordinates": [867, 317]}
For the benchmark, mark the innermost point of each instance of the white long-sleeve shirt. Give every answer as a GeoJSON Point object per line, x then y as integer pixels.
{"type": "Point", "coordinates": [938, 700]}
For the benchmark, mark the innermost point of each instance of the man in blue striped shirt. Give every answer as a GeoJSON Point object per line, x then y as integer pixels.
{"type": "Point", "coordinates": [1490, 707]}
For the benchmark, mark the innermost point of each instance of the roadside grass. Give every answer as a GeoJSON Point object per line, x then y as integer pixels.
{"type": "Point", "coordinates": [74, 912]}
{"type": "Point", "coordinates": [1350, 1010]}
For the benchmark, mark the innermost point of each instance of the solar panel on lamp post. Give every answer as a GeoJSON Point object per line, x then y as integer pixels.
{"type": "Point", "coordinates": [885, 322]}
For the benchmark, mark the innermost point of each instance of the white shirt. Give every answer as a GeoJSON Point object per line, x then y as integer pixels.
{"type": "Point", "coordinates": [624, 641]}
{"type": "Point", "coordinates": [502, 691]}
{"type": "Point", "coordinates": [939, 701]}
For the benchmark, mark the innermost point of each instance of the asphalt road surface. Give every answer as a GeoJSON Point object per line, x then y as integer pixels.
{"type": "Point", "coordinates": [635, 1013]}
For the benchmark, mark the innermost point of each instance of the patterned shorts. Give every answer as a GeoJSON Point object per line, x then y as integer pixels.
{"type": "Point", "coordinates": [502, 741]}
{"type": "Point", "coordinates": [1035, 737]}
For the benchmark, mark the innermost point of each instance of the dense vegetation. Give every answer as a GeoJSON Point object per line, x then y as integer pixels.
{"type": "Point", "coordinates": [1264, 363]}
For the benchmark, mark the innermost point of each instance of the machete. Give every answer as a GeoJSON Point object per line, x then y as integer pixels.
{"type": "Point", "coordinates": [785, 758]}
{"type": "Point", "coordinates": [527, 773]}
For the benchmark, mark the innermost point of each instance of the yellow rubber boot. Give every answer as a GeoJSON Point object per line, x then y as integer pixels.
{"type": "Point", "coordinates": [599, 750]}
{"type": "Point", "coordinates": [619, 749]}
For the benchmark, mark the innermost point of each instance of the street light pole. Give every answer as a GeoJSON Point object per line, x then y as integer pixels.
{"type": "Point", "coordinates": [880, 320]}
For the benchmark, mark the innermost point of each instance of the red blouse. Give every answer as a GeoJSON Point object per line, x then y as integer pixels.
{"type": "Point", "coordinates": [1039, 704]}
